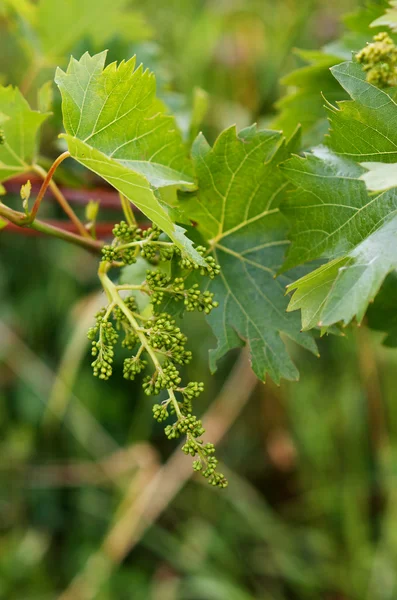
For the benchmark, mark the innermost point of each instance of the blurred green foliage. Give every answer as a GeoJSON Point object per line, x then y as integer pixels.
{"type": "Point", "coordinates": [310, 510]}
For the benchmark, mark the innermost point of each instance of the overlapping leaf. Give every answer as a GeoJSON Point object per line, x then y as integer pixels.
{"type": "Point", "coordinates": [116, 127]}
{"type": "Point", "coordinates": [236, 208]}
{"type": "Point", "coordinates": [20, 125]}
{"type": "Point", "coordinates": [334, 216]}
{"type": "Point", "coordinates": [389, 18]}
{"type": "Point", "coordinates": [303, 102]}
{"type": "Point", "coordinates": [54, 28]}
{"type": "Point", "coordinates": [381, 314]}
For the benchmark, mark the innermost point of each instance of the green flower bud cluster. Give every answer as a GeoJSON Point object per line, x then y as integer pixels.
{"type": "Point", "coordinates": [213, 477]}
{"type": "Point", "coordinates": [130, 339]}
{"type": "Point", "coordinates": [103, 338]}
{"type": "Point", "coordinates": [192, 425]}
{"type": "Point", "coordinates": [379, 61]}
{"type": "Point", "coordinates": [126, 233]}
{"type": "Point", "coordinates": [127, 256]}
{"type": "Point", "coordinates": [130, 241]}
{"type": "Point", "coordinates": [155, 342]}
{"type": "Point", "coordinates": [152, 232]}
{"type": "Point", "coordinates": [206, 463]}
{"type": "Point", "coordinates": [150, 249]}
{"type": "Point", "coordinates": [161, 284]}
{"type": "Point", "coordinates": [166, 379]}
{"type": "Point", "coordinates": [201, 301]}
{"type": "Point", "coordinates": [194, 447]}
{"type": "Point", "coordinates": [108, 253]}
{"type": "Point", "coordinates": [2, 137]}
{"type": "Point", "coordinates": [154, 281]}
{"type": "Point", "coordinates": [133, 366]}
{"type": "Point", "coordinates": [189, 393]}
{"type": "Point", "coordinates": [130, 303]}
{"type": "Point", "coordinates": [160, 412]}
{"type": "Point", "coordinates": [192, 390]}
{"type": "Point", "coordinates": [212, 269]}
{"type": "Point", "coordinates": [166, 253]}
{"type": "Point", "coordinates": [166, 337]}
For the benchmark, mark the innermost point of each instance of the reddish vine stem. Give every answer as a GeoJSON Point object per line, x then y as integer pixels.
{"type": "Point", "coordinates": [48, 182]}
{"type": "Point", "coordinates": [47, 178]}
{"type": "Point", "coordinates": [60, 197]}
{"type": "Point", "coordinates": [108, 198]}
{"type": "Point", "coordinates": [19, 219]}
{"type": "Point", "coordinates": [103, 229]}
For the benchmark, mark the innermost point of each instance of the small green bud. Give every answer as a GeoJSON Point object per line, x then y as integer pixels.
{"type": "Point", "coordinates": [379, 61]}
{"type": "Point", "coordinates": [91, 211]}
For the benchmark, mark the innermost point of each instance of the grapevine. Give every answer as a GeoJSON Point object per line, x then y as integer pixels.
{"type": "Point", "coordinates": [263, 212]}
{"type": "Point", "coordinates": [156, 342]}
{"type": "Point", "coordinates": [379, 60]}
{"type": "Point", "coordinates": [200, 250]}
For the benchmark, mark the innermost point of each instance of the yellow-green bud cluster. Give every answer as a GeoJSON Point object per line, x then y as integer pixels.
{"type": "Point", "coordinates": [210, 473]}
{"type": "Point", "coordinates": [166, 379]}
{"type": "Point", "coordinates": [103, 338]}
{"type": "Point", "coordinates": [193, 298]}
{"type": "Point", "coordinates": [150, 249]}
{"type": "Point", "coordinates": [212, 269]}
{"type": "Point", "coordinates": [165, 336]}
{"type": "Point", "coordinates": [196, 300]}
{"type": "Point", "coordinates": [156, 280]}
{"type": "Point", "coordinates": [160, 412]}
{"type": "Point", "coordinates": [108, 253]}
{"type": "Point", "coordinates": [379, 61]}
{"type": "Point", "coordinates": [193, 390]}
{"type": "Point", "coordinates": [130, 339]}
{"type": "Point", "coordinates": [132, 367]}
{"type": "Point", "coordinates": [126, 233]}
{"type": "Point", "coordinates": [130, 303]}
{"type": "Point", "coordinates": [2, 137]}
{"type": "Point", "coordinates": [206, 463]}
{"type": "Point", "coordinates": [157, 340]}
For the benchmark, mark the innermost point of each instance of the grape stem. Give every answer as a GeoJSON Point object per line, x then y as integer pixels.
{"type": "Point", "coordinates": [112, 292]}
{"type": "Point", "coordinates": [63, 203]}
{"type": "Point", "coordinates": [47, 176]}
{"type": "Point", "coordinates": [127, 210]}
{"type": "Point", "coordinates": [19, 219]}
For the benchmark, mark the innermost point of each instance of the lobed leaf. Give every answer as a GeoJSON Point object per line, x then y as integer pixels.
{"type": "Point", "coordinates": [20, 125]}
{"type": "Point", "coordinates": [116, 127]}
{"type": "Point", "coordinates": [237, 211]}
{"type": "Point", "coordinates": [303, 102]}
{"type": "Point", "coordinates": [54, 28]}
{"type": "Point", "coordinates": [389, 18]}
{"type": "Point", "coordinates": [333, 214]}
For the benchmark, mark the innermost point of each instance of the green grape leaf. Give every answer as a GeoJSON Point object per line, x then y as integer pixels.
{"type": "Point", "coordinates": [45, 96]}
{"type": "Point", "coordinates": [381, 314]}
{"type": "Point", "coordinates": [236, 209]}
{"type": "Point", "coordinates": [116, 127]}
{"type": "Point", "coordinates": [361, 130]}
{"type": "Point", "coordinates": [20, 126]}
{"type": "Point", "coordinates": [54, 28]}
{"type": "Point", "coordinates": [335, 217]}
{"type": "Point", "coordinates": [389, 18]}
{"type": "Point", "coordinates": [198, 112]}
{"type": "Point", "coordinates": [303, 102]}
{"type": "Point", "coordinates": [379, 176]}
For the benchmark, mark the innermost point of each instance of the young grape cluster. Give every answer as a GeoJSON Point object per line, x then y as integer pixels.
{"type": "Point", "coordinates": [156, 344]}
{"type": "Point", "coordinates": [379, 61]}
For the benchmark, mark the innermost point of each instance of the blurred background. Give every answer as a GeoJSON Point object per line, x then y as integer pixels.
{"type": "Point", "coordinates": [94, 503]}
